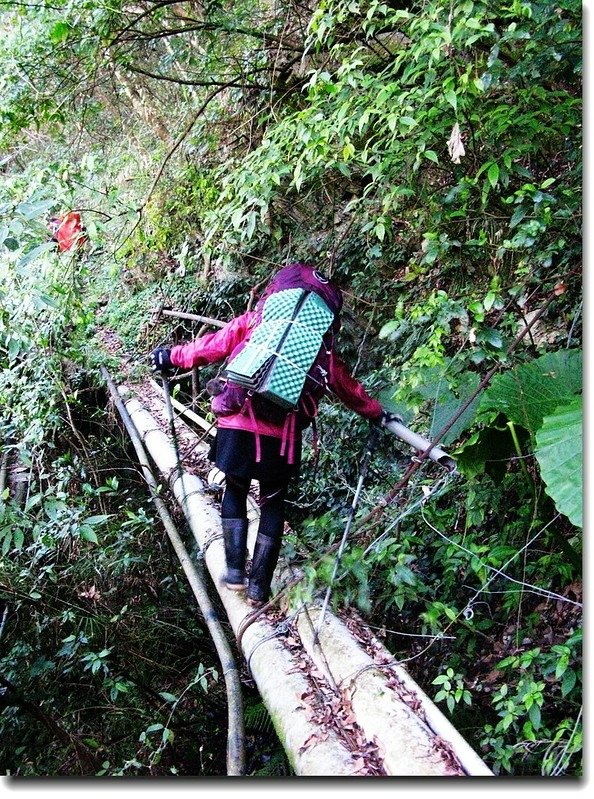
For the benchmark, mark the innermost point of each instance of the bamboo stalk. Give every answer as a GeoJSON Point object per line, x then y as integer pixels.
{"type": "Point", "coordinates": [3, 470]}
{"type": "Point", "coordinates": [195, 388]}
{"type": "Point", "coordinates": [236, 734]}
{"type": "Point", "coordinates": [187, 411]}
{"type": "Point", "coordinates": [195, 318]}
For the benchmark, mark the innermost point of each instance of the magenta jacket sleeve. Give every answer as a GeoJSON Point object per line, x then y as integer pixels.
{"type": "Point", "coordinates": [350, 391]}
{"type": "Point", "coordinates": [214, 346]}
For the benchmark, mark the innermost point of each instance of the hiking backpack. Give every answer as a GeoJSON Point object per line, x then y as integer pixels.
{"type": "Point", "coordinates": [283, 366]}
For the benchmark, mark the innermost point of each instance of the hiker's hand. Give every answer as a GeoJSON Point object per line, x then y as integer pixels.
{"type": "Point", "coordinates": [387, 417]}
{"type": "Point", "coordinates": [161, 360]}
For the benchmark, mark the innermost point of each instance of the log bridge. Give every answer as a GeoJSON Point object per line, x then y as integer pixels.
{"type": "Point", "coordinates": [352, 709]}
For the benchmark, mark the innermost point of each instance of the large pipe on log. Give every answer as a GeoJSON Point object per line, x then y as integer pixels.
{"type": "Point", "coordinates": [271, 665]}
{"type": "Point", "coordinates": [377, 686]}
{"type": "Point", "coordinates": [421, 444]}
{"type": "Point", "coordinates": [410, 744]}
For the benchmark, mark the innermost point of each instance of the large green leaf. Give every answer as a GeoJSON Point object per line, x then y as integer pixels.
{"type": "Point", "coordinates": [488, 451]}
{"type": "Point", "coordinates": [559, 454]}
{"type": "Point", "coordinates": [529, 392]}
{"type": "Point", "coordinates": [447, 405]}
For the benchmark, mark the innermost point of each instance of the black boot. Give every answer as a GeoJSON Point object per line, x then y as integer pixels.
{"type": "Point", "coordinates": [266, 552]}
{"type": "Point", "coordinates": [235, 537]}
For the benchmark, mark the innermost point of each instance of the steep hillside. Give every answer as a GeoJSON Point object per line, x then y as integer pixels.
{"type": "Point", "coordinates": [427, 156]}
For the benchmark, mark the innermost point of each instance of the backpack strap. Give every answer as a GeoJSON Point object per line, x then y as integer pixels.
{"type": "Point", "coordinates": [252, 415]}
{"type": "Point", "coordinates": [288, 437]}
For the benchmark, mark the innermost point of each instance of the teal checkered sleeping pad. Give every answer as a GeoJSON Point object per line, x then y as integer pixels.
{"type": "Point", "coordinates": [282, 348]}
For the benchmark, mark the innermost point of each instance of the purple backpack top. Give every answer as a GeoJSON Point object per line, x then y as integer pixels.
{"type": "Point", "coordinates": [230, 398]}
{"type": "Point", "coordinates": [304, 276]}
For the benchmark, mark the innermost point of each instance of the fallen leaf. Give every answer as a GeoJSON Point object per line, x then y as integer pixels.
{"type": "Point", "coordinates": [91, 594]}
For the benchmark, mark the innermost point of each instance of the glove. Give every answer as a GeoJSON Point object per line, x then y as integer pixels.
{"type": "Point", "coordinates": [387, 417]}
{"type": "Point", "coordinates": [161, 359]}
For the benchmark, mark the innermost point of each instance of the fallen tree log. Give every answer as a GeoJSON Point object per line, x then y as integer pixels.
{"type": "Point", "coordinates": [413, 737]}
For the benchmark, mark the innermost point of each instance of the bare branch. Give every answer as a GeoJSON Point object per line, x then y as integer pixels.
{"type": "Point", "coordinates": [187, 82]}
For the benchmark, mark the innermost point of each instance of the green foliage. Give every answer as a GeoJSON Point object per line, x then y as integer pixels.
{"type": "Point", "coordinates": [523, 396]}
{"type": "Point", "coordinates": [559, 454]}
{"type": "Point", "coordinates": [171, 229]}
{"type": "Point", "coordinates": [520, 702]}
{"type": "Point", "coordinates": [430, 158]}
{"type": "Point", "coordinates": [527, 393]}
{"type": "Point", "coordinates": [91, 599]}
{"type": "Point", "coordinates": [71, 636]}
{"type": "Point", "coordinates": [40, 300]}
{"type": "Point", "coordinates": [452, 689]}
{"type": "Point", "coordinates": [381, 125]}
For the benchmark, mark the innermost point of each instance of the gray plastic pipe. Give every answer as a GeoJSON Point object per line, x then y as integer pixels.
{"type": "Point", "coordinates": [421, 445]}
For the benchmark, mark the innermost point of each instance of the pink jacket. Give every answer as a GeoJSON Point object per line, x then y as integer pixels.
{"type": "Point", "coordinates": [216, 346]}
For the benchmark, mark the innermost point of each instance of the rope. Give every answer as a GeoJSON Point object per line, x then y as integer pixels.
{"type": "Point", "coordinates": [281, 629]}
{"type": "Point", "coordinates": [316, 642]}
{"type": "Point", "coordinates": [499, 572]}
{"type": "Point", "coordinates": [255, 615]}
{"type": "Point", "coordinates": [372, 442]}
{"type": "Point", "coordinates": [438, 488]}
{"type": "Point", "coordinates": [215, 537]}
{"type": "Point", "coordinates": [560, 765]}
{"type": "Point", "coordinates": [171, 417]}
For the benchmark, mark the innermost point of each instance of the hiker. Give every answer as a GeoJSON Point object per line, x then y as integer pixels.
{"type": "Point", "coordinates": [256, 439]}
{"type": "Point", "coordinates": [67, 231]}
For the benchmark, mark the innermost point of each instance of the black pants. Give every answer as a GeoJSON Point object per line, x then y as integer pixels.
{"type": "Point", "coordinates": [271, 502]}
{"type": "Point", "coordinates": [234, 452]}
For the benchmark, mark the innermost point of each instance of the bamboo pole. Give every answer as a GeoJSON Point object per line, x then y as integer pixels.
{"type": "Point", "coordinates": [195, 388]}
{"type": "Point", "coordinates": [3, 470]}
{"type": "Point", "coordinates": [208, 427]}
{"type": "Point", "coordinates": [194, 318]}
{"type": "Point", "coordinates": [235, 734]}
